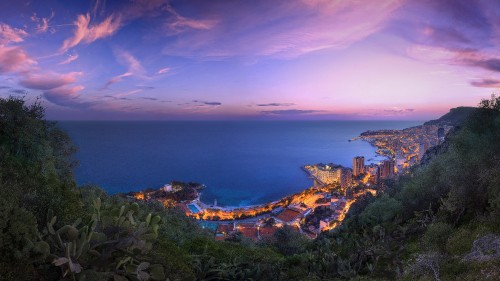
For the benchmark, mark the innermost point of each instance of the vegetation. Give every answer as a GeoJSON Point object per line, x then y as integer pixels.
{"type": "Point", "coordinates": [455, 117]}
{"type": "Point", "coordinates": [440, 222]}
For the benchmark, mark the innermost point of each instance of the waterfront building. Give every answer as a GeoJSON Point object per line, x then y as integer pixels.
{"type": "Point", "coordinates": [167, 188]}
{"type": "Point", "coordinates": [327, 174]}
{"type": "Point", "coordinates": [358, 165]}
{"type": "Point", "coordinates": [288, 216]}
{"type": "Point", "coordinates": [330, 174]}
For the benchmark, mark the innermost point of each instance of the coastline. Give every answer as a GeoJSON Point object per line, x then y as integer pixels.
{"type": "Point", "coordinates": [234, 176]}
{"type": "Point", "coordinates": [320, 207]}
{"type": "Point", "coordinates": [292, 209]}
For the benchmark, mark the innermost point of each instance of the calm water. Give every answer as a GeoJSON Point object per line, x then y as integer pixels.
{"type": "Point", "coordinates": [241, 162]}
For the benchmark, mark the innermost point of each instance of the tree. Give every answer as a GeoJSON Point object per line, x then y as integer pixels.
{"type": "Point", "coordinates": [36, 160]}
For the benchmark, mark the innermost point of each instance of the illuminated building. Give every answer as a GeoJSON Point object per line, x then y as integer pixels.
{"type": "Point", "coordinates": [358, 165]}
{"type": "Point", "coordinates": [374, 171]}
{"type": "Point", "coordinates": [167, 188]}
{"type": "Point", "coordinates": [345, 177]}
{"type": "Point", "coordinates": [387, 169]}
{"type": "Point", "coordinates": [330, 174]}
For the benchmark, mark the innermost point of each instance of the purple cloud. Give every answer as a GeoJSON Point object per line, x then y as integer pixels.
{"type": "Point", "coordinates": [48, 81]}
{"type": "Point", "coordinates": [285, 30]}
{"type": "Point", "coordinates": [486, 83]}
{"type": "Point", "coordinates": [291, 112]}
{"type": "Point", "coordinates": [276, 104]}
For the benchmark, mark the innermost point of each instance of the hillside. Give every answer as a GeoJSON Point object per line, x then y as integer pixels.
{"type": "Point", "coordinates": [455, 117]}
{"type": "Point", "coordinates": [439, 222]}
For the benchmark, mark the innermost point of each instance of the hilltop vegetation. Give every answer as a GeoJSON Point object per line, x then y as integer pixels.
{"type": "Point", "coordinates": [455, 117]}
{"type": "Point", "coordinates": [440, 222]}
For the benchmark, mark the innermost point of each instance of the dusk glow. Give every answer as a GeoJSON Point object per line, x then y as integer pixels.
{"type": "Point", "coordinates": [309, 59]}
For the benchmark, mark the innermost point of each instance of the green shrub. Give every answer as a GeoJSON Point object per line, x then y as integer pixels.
{"type": "Point", "coordinates": [436, 236]}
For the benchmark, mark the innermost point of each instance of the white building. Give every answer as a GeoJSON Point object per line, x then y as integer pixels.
{"type": "Point", "coordinates": [167, 188]}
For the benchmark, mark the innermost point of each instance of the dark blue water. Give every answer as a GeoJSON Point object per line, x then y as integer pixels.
{"type": "Point", "coordinates": [240, 162]}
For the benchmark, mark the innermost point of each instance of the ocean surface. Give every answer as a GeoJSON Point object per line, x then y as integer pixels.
{"type": "Point", "coordinates": [240, 162]}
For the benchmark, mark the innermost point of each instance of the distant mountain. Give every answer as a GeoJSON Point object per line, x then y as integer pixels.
{"type": "Point", "coordinates": [455, 117]}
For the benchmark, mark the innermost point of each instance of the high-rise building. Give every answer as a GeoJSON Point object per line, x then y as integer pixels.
{"type": "Point", "coordinates": [345, 177]}
{"type": "Point", "coordinates": [358, 165]}
{"type": "Point", "coordinates": [374, 171]}
{"type": "Point", "coordinates": [387, 169]}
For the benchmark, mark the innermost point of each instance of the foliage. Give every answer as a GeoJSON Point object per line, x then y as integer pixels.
{"type": "Point", "coordinates": [114, 243]}
{"type": "Point", "coordinates": [18, 235]}
{"type": "Point", "coordinates": [422, 226]}
{"type": "Point", "coordinates": [36, 161]}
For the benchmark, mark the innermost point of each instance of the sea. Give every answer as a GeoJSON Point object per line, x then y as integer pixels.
{"type": "Point", "coordinates": [240, 162]}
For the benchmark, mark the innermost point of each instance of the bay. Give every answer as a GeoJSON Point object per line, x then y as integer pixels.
{"type": "Point", "coordinates": [240, 162]}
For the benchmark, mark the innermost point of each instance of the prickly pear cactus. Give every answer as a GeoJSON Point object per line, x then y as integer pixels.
{"type": "Point", "coordinates": [18, 229]}
{"type": "Point", "coordinates": [115, 243]}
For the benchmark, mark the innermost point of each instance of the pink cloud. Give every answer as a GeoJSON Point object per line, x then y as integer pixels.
{"type": "Point", "coordinates": [11, 35]}
{"type": "Point", "coordinates": [116, 79]}
{"type": "Point", "coordinates": [70, 59]}
{"type": "Point", "coordinates": [64, 95]}
{"type": "Point", "coordinates": [14, 59]}
{"type": "Point", "coordinates": [464, 57]}
{"type": "Point", "coordinates": [42, 23]}
{"type": "Point", "coordinates": [134, 67]}
{"type": "Point", "coordinates": [164, 70]}
{"type": "Point", "coordinates": [486, 83]}
{"type": "Point", "coordinates": [133, 64]}
{"type": "Point", "coordinates": [461, 33]}
{"type": "Point", "coordinates": [67, 92]}
{"type": "Point", "coordinates": [285, 30]}
{"type": "Point", "coordinates": [178, 23]}
{"type": "Point", "coordinates": [87, 33]}
{"type": "Point", "coordinates": [181, 23]}
{"type": "Point", "coordinates": [48, 81]}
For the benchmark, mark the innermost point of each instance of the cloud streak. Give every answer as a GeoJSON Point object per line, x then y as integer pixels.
{"type": "Point", "coordinates": [87, 33]}
{"type": "Point", "coordinates": [397, 110]}
{"type": "Point", "coordinates": [42, 23]}
{"type": "Point", "coordinates": [209, 103]}
{"type": "Point", "coordinates": [486, 83]}
{"type": "Point", "coordinates": [291, 112]}
{"type": "Point", "coordinates": [164, 70]}
{"type": "Point", "coordinates": [284, 30]}
{"type": "Point", "coordinates": [276, 104]}
{"type": "Point", "coordinates": [463, 33]}
{"type": "Point", "coordinates": [70, 59]}
{"type": "Point", "coordinates": [134, 67]}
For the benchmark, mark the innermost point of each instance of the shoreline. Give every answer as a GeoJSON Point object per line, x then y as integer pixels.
{"type": "Point", "coordinates": [324, 205]}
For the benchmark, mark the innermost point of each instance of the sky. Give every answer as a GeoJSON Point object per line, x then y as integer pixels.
{"type": "Point", "coordinates": [261, 59]}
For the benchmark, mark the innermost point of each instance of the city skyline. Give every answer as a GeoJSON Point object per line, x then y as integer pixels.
{"type": "Point", "coordinates": [319, 60]}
